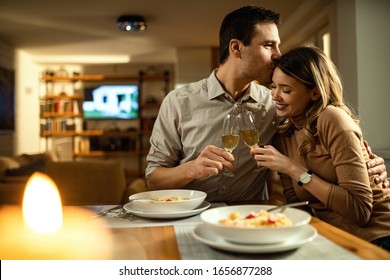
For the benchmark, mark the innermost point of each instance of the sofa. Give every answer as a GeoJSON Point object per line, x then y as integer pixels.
{"type": "Point", "coordinates": [79, 182]}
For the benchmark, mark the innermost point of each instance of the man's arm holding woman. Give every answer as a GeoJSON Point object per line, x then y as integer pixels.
{"type": "Point", "coordinates": [376, 165]}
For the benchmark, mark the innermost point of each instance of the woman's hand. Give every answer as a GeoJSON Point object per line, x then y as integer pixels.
{"type": "Point", "coordinates": [271, 158]}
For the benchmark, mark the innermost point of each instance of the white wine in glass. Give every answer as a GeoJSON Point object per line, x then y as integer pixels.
{"type": "Point", "coordinates": [230, 137]}
{"type": "Point", "coordinates": [230, 142]}
{"type": "Point", "coordinates": [248, 131]}
{"type": "Point", "coordinates": [250, 137]}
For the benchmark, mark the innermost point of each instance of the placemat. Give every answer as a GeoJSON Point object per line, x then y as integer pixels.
{"type": "Point", "coordinates": [318, 249]}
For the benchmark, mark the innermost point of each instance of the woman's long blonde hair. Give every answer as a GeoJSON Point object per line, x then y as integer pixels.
{"type": "Point", "coordinates": [311, 67]}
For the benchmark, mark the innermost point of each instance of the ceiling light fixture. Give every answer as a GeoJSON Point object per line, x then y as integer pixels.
{"type": "Point", "coordinates": [131, 23]}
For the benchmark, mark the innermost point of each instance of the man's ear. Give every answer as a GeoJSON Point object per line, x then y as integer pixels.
{"type": "Point", "coordinates": [235, 47]}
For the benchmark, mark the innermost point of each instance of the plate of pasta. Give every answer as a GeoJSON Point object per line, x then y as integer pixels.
{"type": "Point", "coordinates": [253, 224]}
{"type": "Point", "coordinates": [167, 201]}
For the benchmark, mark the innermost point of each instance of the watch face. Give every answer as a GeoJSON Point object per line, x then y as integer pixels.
{"type": "Point", "coordinates": [305, 177]}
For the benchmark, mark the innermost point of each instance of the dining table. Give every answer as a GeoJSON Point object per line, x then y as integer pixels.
{"type": "Point", "coordinates": [141, 237]}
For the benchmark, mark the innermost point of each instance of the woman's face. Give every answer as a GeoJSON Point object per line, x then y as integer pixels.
{"type": "Point", "coordinates": [290, 96]}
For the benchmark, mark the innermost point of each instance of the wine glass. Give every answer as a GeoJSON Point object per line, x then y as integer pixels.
{"type": "Point", "coordinates": [230, 137]}
{"type": "Point", "coordinates": [248, 131]}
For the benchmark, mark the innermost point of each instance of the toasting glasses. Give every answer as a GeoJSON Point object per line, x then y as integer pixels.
{"type": "Point", "coordinates": [230, 136]}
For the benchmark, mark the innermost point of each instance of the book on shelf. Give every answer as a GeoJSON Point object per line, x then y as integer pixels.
{"type": "Point", "coordinates": [82, 145]}
{"type": "Point", "coordinates": [60, 106]}
{"type": "Point", "coordinates": [58, 125]}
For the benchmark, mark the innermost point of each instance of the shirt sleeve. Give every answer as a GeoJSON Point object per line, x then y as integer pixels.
{"type": "Point", "coordinates": [165, 144]}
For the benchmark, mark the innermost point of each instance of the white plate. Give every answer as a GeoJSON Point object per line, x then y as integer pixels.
{"type": "Point", "coordinates": [205, 235]}
{"type": "Point", "coordinates": [129, 208]}
{"type": "Point", "coordinates": [255, 235]}
{"type": "Point", "coordinates": [191, 200]}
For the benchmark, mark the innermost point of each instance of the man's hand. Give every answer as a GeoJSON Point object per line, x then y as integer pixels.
{"type": "Point", "coordinates": [211, 161]}
{"type": "Point", "coordinates": [376, 166]}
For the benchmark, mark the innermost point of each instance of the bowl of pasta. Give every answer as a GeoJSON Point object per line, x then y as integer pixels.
{"type": "Point", "coordinates": [253, 224]}
{"type": "Point", "coordinates": [167, 201]}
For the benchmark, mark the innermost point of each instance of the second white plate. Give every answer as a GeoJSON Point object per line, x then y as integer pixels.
{"type": "Point", "coordinates": [205, 235]}
{"type": "Point", "coordinates": [129, 208]}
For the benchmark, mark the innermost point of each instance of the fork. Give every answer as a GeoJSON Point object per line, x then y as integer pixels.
{"type": "Point", "coordinates": [283, 207]}
{"type": "Point", "coordinates": [105, 212]}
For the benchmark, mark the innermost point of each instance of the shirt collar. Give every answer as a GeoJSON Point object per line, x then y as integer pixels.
{"type": "Point", "coordinates": [214, 87]}
{"type": "Point", "coordinates": [254, 91]}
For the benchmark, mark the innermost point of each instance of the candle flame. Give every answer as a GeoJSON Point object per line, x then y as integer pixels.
{"type": "Point", "coordinates": [42, 208]}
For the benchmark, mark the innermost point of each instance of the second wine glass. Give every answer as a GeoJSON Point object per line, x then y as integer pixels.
{"type": "Point", "coordinates": [230, 137]}
{"type": "Point", "coordinates": [248, 131]}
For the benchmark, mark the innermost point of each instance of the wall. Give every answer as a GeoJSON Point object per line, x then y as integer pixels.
{"type": "Point", "coordinates": [193, 64]}
{"type": "Point", "coordinates": [344, 48]}
{"type": "Point", "coordinates": [362, 57]}
{"type": "Point", "coordinates": [27, 105]}
{"type": "Point", "coordinates": [373, 62]}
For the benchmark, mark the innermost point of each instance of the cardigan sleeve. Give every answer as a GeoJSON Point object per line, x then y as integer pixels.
{"type": "Point", "coordinates": [352, 196]}
{"type": "Point", "coordinates": [286, 181]}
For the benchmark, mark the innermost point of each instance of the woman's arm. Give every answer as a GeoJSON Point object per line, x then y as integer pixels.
{"type": "Point", "coordinates": [351, 195]}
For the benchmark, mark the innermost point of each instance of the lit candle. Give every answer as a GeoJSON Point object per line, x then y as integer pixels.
{"type": "Point", "coordinates": [45, 230]}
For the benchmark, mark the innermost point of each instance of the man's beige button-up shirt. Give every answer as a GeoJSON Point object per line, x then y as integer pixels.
{"type": "Point", "coordinates": [191, 118]}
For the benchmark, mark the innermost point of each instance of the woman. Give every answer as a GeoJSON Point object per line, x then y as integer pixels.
{"type": "Point", "coordinates": [319, 150]}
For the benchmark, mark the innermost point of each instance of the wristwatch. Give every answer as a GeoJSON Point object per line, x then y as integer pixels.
{"type": "Point", "coordinates": [305, 177]}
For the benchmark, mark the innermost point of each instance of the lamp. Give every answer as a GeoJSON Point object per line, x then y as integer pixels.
{"type": "Point", "coordinates": [131, 23]}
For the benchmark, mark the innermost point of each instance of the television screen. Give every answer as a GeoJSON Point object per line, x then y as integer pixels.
{"type": "Point", "coordinates": [111, 102]}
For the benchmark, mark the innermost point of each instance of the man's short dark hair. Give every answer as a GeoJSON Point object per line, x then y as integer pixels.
{"type": "Point", "coordinates": [240, 24]}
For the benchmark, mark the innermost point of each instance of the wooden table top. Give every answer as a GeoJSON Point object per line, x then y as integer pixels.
{"type": "Point", "coordinates": [355, 245]}
{"type": "Point", "coordinates": [159, 243]}
{"type": "Point", "coordinates": [145, 243]}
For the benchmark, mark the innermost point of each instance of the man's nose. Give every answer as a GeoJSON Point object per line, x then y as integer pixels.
{"type": "Point", "coordinates": [276, 54]}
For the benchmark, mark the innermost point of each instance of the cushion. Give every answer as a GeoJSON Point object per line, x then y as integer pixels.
{"type": "Point", "coordinates": [27, 159]}
{"type": "Point", "coordinates": [27, 169]}
{"type": "Point", "coordinates": [23, 165]}
{"type": "Point", "coordinates": [7, 163]}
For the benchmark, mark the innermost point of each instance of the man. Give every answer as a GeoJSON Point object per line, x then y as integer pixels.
{"type": "Point", "coordinates": [186, 148]}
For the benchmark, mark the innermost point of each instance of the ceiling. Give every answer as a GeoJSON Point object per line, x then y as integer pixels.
{"type": "Point", "coordinates": [87, 27]}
